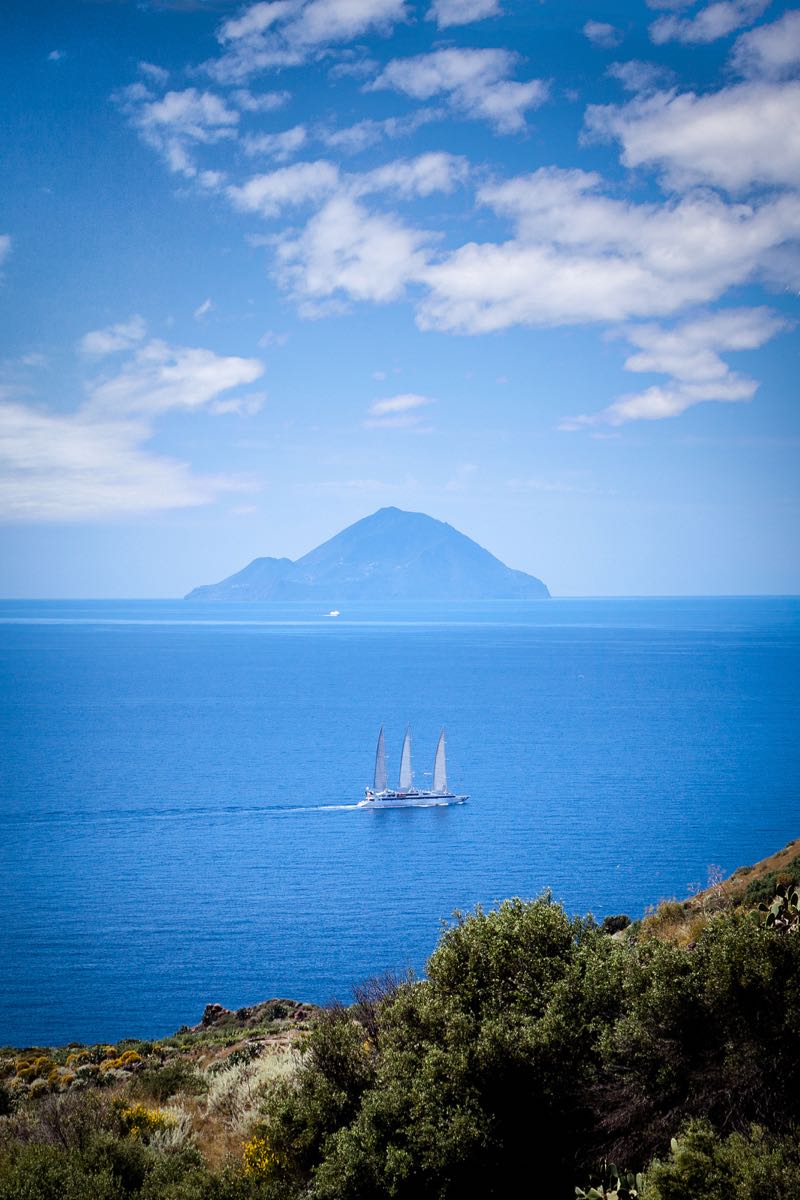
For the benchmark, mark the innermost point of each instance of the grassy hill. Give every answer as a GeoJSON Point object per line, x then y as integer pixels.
{"type": "Point", "coordinates": [538, 1047]}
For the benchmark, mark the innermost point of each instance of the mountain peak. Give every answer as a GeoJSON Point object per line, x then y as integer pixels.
{"type": "Point", "coordinates": [390, 554]}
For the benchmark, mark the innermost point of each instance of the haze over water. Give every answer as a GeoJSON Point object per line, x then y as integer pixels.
{"type": "Point", "coordinates": [178, 782]}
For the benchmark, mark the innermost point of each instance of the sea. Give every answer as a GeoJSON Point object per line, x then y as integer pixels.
{"type": "Point", "coordinates": [179, 781]}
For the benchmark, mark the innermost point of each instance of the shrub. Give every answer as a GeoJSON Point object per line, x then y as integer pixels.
{"type": "Point", "coordinates": [259, 1159]}
{"type": "Point", "coordinates": [752, 1166]}
{"type": "Point", "coordinates": [615, 924]}
{"type": "Point", "coordinates": [762, 890]}
{"type": "Point", "coordinates": [36, 1172]}
{"type": "Point", "coordinates": [139, 1122]}
{"type": "Point", "coordinates": [160, 1083]}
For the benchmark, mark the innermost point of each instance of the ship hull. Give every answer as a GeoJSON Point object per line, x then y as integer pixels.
{"type": "Point", "coordinates": [415, 799]}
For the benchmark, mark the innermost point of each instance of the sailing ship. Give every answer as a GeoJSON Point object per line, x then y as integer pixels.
{"type": "Point", "coordinates": [380, 795]}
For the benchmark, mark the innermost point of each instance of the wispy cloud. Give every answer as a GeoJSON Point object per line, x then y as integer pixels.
{"type": "Point", "coordinates": [283, 33]}
{"type": "Point", "coordinates": [475, 83]}
{"type": "Point", "coordinates": [771, 51]}
{"type": "Point", "coordinates": [352, 139]}
{"type": "Point", "coordinates": [641, 77]}
{"type": "Point", "coordinates": [279, 146]}
{"type": "Point", "coordinates": [177, 121]}
{"type": "Point", "coordinates": [158, 75]}
{"type": "Point", "coordinates": [600, 33]}
{"type": "Point", "coordinates": [447, 13]}
{"type": "Point", "coordinates": [114, 338]}
{"type": "Point", "coordinates": [397, 412]}
{"type": "Point", "coordinates": [94, 463]}
{"type": "Point", "coordinates": [259, 102]}
{"type": "Point", "coordinates": [712, 22]}
{"type": "Point", "coordinates": [690, 354]}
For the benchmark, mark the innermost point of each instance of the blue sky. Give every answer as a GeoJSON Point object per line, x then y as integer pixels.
{"type": "Point", "coordinates": [532, 268]}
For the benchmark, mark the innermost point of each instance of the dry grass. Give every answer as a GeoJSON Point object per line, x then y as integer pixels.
{"type": "Point", "coordinates": [220, 1121]}
{"type": "Point", "coordinates": [682, 922]}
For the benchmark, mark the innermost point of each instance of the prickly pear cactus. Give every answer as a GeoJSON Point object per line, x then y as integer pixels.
{"type": "Point", "coordinates": [613, 1184]}
{"type": "Point", "coordinates": [783, 913]}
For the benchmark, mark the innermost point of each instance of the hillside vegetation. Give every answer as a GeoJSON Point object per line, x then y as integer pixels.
{"type": "Point", "coordinates": [539, 1050]}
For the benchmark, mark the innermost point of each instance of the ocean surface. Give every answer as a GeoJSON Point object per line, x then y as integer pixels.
{"type": "Point", "coordinates": [178, 781]}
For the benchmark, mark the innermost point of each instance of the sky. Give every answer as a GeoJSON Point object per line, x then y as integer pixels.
{"type": "Point", "coordinates": [530, 267]}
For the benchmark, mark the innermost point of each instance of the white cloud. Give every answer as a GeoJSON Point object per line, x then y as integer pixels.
{"type": "Point", "coordinates": [420, 176]}
{"type": "Point", "coordinates": [157, 74]}
{"type": "Point", "coordinates": [354, 138]}
{"type": "Point", "coordinates": [691, 352]}
{"type": "Point", "coordinates": [203, 309]}
{"type": "Point", "coordinates": [5, 247]}
{"type": "Point", "coordinates": [279, 146]}
{"type": "Point", "coordinates": [285, 33]}
{"type": "Point", "coordinates": [447, 13]}
{"type": "Point", "coordinates": [56, 56]}
{"type": "Point", "coordinates": [160, 377]}
{"type": "Point", "coordinates": [638, 76]}
{"type": "Point", "coordinates": [94, 463]}
{"type": "Point", "coordinates": [245, 406]}
{"type": "Point", "coordinates": [740, 136]}
{"type": "Point", "coordinates": [114, 338]}
{"type": "Point", "coordinates": [201, 116]}
{"type": "Point", "coordinates": [252, 102]}
{"type": "Point", "coordinates": [580, 256]}
{"type": "Point", "coordinates": [323, 21]}
{"type": "Point", "coordinates": [256, 20]}
{"type": "Point", "coordinates": [475, 83]}
{"type": "Point", "coordinates": [770, 52]}
{"type": "Point", "coordinates": [305, 182]}
{"type": "Point", "coordinates": [712, 22]}
{"type": "Point", "coordinates": [600, 33]}
{"type": "Point", "coordinates": [398, 404]}
{"type": "Point", "coordinates": [300, 183]}
{"type": "Point", "coordinates": [690, 355]}
{"type": "Point", "coordinates": [397, 412]}
{"type": "Point", "coordinates": [72, 467]}
{"type": "Point", "coordinates": [177, 121]}
{"type": "Point", "coordinates": [346, 250]}
{"type": "Point", "coordinates": [272, 338]}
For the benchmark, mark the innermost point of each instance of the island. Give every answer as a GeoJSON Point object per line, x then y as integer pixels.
{"type": "Point", "coordinates": [389, 555]}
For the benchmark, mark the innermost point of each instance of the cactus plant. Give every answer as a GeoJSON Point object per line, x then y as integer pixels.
{"type": "Point", "coordinates": [612, 1184]}
{"type": "Point", "coordinates": [783, 913]}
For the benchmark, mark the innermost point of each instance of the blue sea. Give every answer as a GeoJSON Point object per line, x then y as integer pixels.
{"type": "Point", "coordinates": [178, 781]}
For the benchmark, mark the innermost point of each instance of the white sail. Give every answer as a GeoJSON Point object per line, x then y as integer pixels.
{"type": "Point", "coordinates": [380, 765]}
{"type": "Point", "coordinates": [406, 775]}
{"type": "Point", "coordinates": [440, 767]}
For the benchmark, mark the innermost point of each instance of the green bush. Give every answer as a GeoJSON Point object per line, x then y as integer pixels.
{"type": "Point", "coordinates": [749, 1166]}
{"type": "Point", "coordinates": [536, 1049]}
{"type": "Point", "coordinates": [616, 923]}
{"type": "Point", "coordinates": [159, 1083]}
{"type": "Point", "coordinates": [762, 890]}
{"type": "Point", "coordinates": [40, 1172]}
{"type": "Point", "coordinates": [707, 1032]}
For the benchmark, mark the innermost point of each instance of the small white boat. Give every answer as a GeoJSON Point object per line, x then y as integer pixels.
{"type": "Point", "coordinates": [380, 795]}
